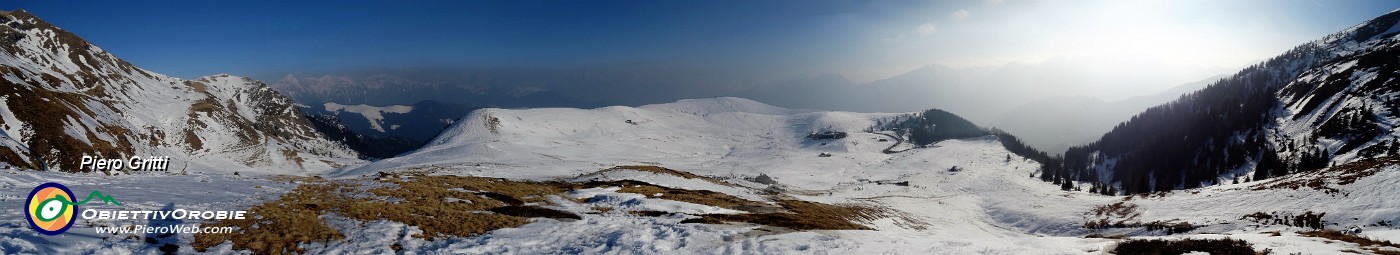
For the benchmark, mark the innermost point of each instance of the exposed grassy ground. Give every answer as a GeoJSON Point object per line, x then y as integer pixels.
{"type": "Point", "coordinates": [1126, 215]}
{"type": "Point", "coordinates": [1377, 246]}
{"type": "Point", "coordinates": [803, 215]}
{"type": "Point", "coordinates": [428, 202]}
{"type": "Point", "coordinates": [446, 206]}
{"type": "Point", "coordinates": [1327, 178]}
{"type": "Point", "coordinates": [663, 170]}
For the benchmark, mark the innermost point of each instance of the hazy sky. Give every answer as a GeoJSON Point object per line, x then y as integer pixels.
{"type": "Point", "coordinates": [860, 40]}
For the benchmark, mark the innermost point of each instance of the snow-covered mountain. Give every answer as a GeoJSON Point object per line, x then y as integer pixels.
{"type": "Point", "coordinates": [1328, 102]}
{"type": "Point", "coordinates": [64, 98]}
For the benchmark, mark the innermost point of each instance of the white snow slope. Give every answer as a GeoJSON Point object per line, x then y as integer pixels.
{"type": "Point", "coordinates": [991, 206]}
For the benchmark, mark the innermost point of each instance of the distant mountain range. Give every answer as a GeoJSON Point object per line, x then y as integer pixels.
{"type": "Point", "coordinates": [419, 121]}
{"type": "Point", "coordinates": [981, 94]}
{"type": "Point", "coordinates": [391, 88]}
{"type": "Point", "coordinates": [385, 131]}
{"type": "Point", "coordinates": [1034, 101]}
{"type": "Point", "coordinates": [1054, 124]}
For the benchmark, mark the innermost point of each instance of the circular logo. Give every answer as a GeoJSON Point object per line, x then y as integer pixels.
{"type": "Point", "coordinates": [50, 208]}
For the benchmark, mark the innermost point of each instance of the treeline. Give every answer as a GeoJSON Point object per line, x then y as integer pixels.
{"type": "Point", "coordinates": [1195, 139]}
{"type": "Point", "coordinates": [1225, 130]}
{"type": "Point", "coordinates": [1211, 134]}
{"type": "Point", "coordinates": [934, 125]}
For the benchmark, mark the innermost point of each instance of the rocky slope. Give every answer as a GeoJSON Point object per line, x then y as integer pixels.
{"type": "Point", "coordinates": [1328, 102]}
{"type": "Point", "coordinates": [64, 98]}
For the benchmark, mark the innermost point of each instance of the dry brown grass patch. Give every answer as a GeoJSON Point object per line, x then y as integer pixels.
{"type": "Point", "coordinates": [1323, 179]}
{"type": "Point", "coordinates": [527, 191]}
{"type": "Point", "coordinates": [443, 206]}
{"type": "Point", "coordinates": [427, 202]}
{"type": "Point", "coordinates": [601, 209]}
{"type": "Point", "coordinates": [1365, 243]}
{"type": "Point", "coordinates": [667, 171]}
{"type": "Point", "coordinates": [1119, 209]}
{"type": "Point", "coordinates": [277, 226]}
{"type": "Point", "coordinates": [197, 86]}
{"type": "Point", "coordinates": [1308, 219]}
{"type": "Point", "coordinates": [649, 213]}
{"type": "Point", "coordinates": [1102, 236]}
{"type": "Point", "coordinates": [295, 178]}
{"type": "Point", "coordinates": [803, 215]}
{"type": "Point", "coordinates": [1127, 215]}
{"type": "Point", "coordinates": [333, 164]}
{"type": "Point", "coordinates": [534, 212]}
{"type": "Point", "coordinates": [292, 155]}
{"type": "Point", "coordinates": [48, 113]}
{"type": "Point", "coordinates": [193, 140]}
{"type": "Point", "coordinates": [205, 105]}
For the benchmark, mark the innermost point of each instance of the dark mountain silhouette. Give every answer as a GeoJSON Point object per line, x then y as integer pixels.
{"type": "Point", "coordinates": [1331, 101]}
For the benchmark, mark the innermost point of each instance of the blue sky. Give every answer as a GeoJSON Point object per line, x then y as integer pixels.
{"type": "Point", "coordinates": [857, 39]}
{"type": "Point", "coordinates": [191, 38]}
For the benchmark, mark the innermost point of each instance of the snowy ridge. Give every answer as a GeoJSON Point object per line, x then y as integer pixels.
{"type": "Point", "coordinates": [65, 98]}
{"type": "Point", "coordinates": [1327, 102]}
{"type": "Point", "coordinates": [1354, 75]}
{"type": "Point", "coordinates": [699, 133]}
